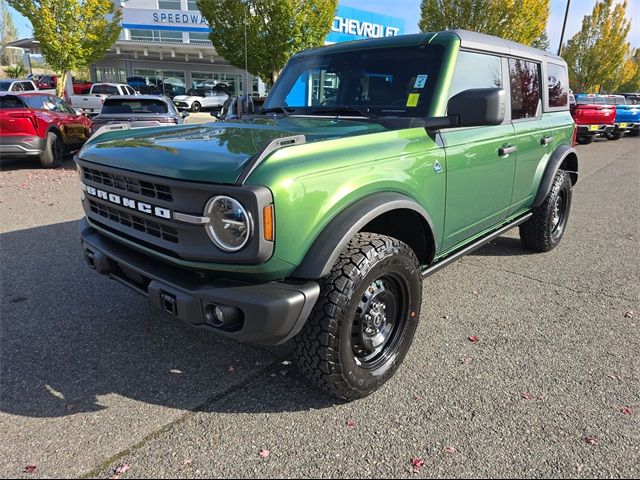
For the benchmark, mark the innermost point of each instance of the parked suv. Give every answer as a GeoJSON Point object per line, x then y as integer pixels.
{"type": "Point", "coordinates": [319, 218]}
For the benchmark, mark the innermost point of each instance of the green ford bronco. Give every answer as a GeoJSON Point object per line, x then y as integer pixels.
{"type": "Point", "coordinates": [372, 164]}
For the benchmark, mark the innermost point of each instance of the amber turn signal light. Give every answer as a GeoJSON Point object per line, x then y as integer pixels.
{"type": "Point", "coordinates": [267, 214]}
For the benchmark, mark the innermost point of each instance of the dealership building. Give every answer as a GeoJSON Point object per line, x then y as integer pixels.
{"type": "Point", "coordinates": [168, 40]}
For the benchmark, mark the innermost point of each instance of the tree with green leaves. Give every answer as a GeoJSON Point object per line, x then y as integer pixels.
{"type": "Point", "coordinates": [8, 33]}
{"type": "Point", "coordinates": [630, 74]}
{"type": "Point", "coordinates": [542, 42]}
{"type": "Point", "coordinates": [275, 29]}
{"type": "Point", "coordinates": [72, 33]}
{"type": "Point", "coordinates": [523, 21]}
{"type": "Point", "coordinates": [599, 50]}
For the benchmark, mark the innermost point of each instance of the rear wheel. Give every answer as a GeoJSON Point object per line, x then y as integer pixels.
{"type": "Point", "coordinates": [53, 151]}
{"type": "Point", "coordinates": [543, 231]}
{"type": "Point", "coordinates": [633, 133]}
{"type": "Point", "coordinates": [585, 139]}
{"type": "Point", "coordinates": [364, 321]}
{"type": "Point", "coordinates": [615, 136]}
{"type": "Point", "coordinates": [196, 107]}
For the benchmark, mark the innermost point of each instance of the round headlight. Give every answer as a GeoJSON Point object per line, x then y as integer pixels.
{"type": "Point", "coordinates": [229, 224]}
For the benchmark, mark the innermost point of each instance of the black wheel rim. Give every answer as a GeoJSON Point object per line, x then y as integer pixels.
{"type": "Point", "coordinates": [379, 321]}
{"type": "Point", "coordinates": [559, 215]}
{"type": "Point", "coordinates": [196, 107]}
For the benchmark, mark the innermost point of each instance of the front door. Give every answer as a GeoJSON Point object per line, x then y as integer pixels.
{"type": "Point", "coordinates": [481, 161]}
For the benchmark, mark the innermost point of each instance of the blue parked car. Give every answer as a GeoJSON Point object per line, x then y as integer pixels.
{"type": "Point", "coordinates": [627, 116]}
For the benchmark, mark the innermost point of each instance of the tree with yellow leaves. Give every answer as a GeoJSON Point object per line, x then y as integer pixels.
{"type": "Point", "coordinates": [523, 21]}
{"type": "Point", "coordinates": [597, 54]}
{"type": "Point", "coordinates": [72, 33]}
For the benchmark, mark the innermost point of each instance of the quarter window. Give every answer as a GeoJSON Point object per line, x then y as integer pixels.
{"type": "Point", "coordinates": [27, 86]}
{"type": "Point", "coordinates": [558, 85]}
{"type": "Point", "coordinates": [476, 70]}
{"type": "Point", "coordinates": [525, 89]}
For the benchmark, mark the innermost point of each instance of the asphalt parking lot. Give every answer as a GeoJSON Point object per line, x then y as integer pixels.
{"type": "Point", "coordinates": [91, 377]}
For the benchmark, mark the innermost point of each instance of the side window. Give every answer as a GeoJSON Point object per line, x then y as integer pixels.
{"type": "Point", "coordinates": [525, 89]}
{"type": "Point", "coordinates": [476, 70]}
{"type": "Point", "coordinates": [27, 86]}
{"type": "Point", "coordinates": [558, 85]}
{"type": "Point", "coordinates": [17, 87]}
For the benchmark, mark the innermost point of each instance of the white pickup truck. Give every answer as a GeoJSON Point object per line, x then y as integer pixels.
{"type": "Point", "coordinates": [92, 104]}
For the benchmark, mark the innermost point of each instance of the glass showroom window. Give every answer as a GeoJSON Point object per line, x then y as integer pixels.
{"type": "Point", "coordinates": [142, 35]}
{"type": "Point", "coordinates": [191, 5]}
{"type": "Point", "coordinates": [199, 37]}
{"type": "Point", "coordinates": [169, 36]}
{"type": "Point", "coordinates": [169, 5]}
{"type": "Point", "coordinates": [202, 80]}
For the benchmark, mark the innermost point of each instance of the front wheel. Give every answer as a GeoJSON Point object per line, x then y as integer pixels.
{"type": "Point", "coordinates": [196, 107]}
{"type": "Point", "coordinates": [543, 231]}
{"type": "Point", "coordinates": [364, 321]}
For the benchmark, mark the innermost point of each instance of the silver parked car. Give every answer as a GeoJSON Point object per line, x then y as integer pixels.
{"type": "Point", "coordinates": [138, 111]}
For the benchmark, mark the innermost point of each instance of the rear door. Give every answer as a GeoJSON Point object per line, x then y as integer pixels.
{"type": "Point", "coordinates": [480, 160]}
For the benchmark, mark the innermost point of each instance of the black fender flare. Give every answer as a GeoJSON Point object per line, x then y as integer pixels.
{"type": "Point", "coordinates": [326, 248]}
{"type": "Point", "coordinates": [557, 158]}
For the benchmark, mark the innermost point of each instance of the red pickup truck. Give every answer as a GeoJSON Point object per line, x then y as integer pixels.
{"type": "Point", "coordinates": [39, 125]}
{"type": "Point", "coordinates": [80, 87]}
{"type": "Point", "coordinates": [593, 117]}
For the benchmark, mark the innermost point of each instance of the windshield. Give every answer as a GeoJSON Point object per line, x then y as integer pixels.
{"type": "Point", "coordinates": [122, 105]}
{"type": "Point", "coordinates": [396, 81]}
{"type": "Point", "coordinates": [614, 100]}
{"type": "Point", "coordinates": [4, 86]}
{"type": "Point", "coordinates": [593, 100]}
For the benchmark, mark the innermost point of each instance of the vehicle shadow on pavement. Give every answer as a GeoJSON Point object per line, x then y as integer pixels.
{"type": "Point", "coordinates": [74, 341]}
{"type": "Point", "coordinates": [8, 164]}
{"type": "Point", "coordinates": [502, 247]}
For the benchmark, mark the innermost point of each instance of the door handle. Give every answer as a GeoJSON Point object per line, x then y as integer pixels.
{"type": "Point", "coordinates": [504, 151]}
{"type": "Point", "coordinates": [544, 141]}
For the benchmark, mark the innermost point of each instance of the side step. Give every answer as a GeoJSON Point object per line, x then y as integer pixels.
{"type": "Point", "coordinates": [474, 246]}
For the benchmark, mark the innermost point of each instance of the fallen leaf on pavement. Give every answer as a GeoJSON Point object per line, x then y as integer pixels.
{"type": "Point", "coordinates": [625, 411]}
{"type": "Point", "coordinates": [121, 470]}
{"type": "Point", "coordinates": [527, 396]}
{"type": "Point", "coordinates": [264, 453]}
{"type": "Point", "coordinates": [591, 440]}
{"type": "Point", "coordinates": [231, 369]}
{"type": "Point", "coordinates": [350, 424]}
{"type": "Point", "coordinates": [450, 449]}
{"type": "Point", "coordinates": [473, 339]}
{"type": "Point", "coordinates": [417, 464]}
{"type": "Point", "coordinates": [628, 314]}
{"type": "Point", "coordinates": [29, 469]}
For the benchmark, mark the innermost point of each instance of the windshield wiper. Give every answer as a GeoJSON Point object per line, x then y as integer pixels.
{"type": "Point", "coordinates": [344, 109]}
{"type": "Point", "coordinates": [282, 110]}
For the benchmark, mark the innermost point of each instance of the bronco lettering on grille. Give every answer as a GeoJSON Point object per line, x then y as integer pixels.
{"type": "Point", "coordinates": [128, 202]}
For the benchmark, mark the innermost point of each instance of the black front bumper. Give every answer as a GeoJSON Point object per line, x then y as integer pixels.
{"type": "Point", "coordinates": [21, 145]}
{"type": "Point", "coordinates": [267, 313]}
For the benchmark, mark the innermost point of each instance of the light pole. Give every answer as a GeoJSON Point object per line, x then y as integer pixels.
{"type": "Point", "coordinates": [564, 25]}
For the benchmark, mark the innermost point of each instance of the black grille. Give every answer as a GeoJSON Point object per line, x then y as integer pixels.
{"type": "Point", "coordinates": [132, 221]}
{"type": "Point", "coordinates": [127, 184]}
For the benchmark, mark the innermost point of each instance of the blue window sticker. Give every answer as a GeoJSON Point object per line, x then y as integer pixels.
{"type": "Point", "coordinates": [421, 80]}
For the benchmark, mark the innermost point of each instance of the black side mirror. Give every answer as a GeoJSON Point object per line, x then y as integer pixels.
{"type": "Point", "coordinates": [478, 106]}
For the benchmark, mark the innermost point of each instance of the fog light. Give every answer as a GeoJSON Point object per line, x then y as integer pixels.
{"type": "Point", "coordinates": [222, 316]}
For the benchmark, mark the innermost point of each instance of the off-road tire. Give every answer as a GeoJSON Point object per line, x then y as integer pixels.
{"type": "Point", "coordinates": [586, 139]}
{"type": "Point", "coordinates": [53, 151]}
{"type": "Point", "coordinates": [540, 233]}
{"type": "Point", "coordinates": [196, 107]}
{"type": "Point", "coordinates": [325, 348]}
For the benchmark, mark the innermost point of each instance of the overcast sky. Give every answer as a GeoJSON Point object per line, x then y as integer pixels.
{"type": "Point", "coordinates": [410, 11]}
